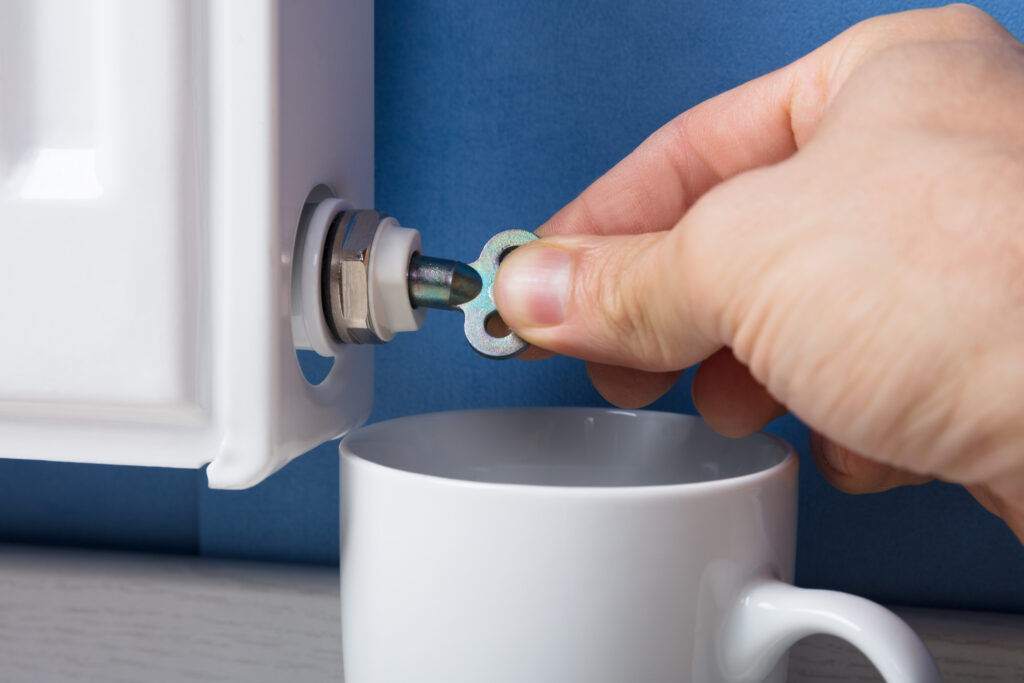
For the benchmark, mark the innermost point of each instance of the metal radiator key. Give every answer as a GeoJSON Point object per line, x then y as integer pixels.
{"type": "Point", "coordinates": [451, 285]}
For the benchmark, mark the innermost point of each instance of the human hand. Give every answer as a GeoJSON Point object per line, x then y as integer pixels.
{"type": "Point", "coordinates": [843, 238]}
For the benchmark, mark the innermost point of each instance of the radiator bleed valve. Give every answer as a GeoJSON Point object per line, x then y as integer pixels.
{"type": "Point", "coordinates": [361, 278]}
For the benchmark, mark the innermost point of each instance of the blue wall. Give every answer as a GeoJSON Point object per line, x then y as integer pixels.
{"type": "Point", "coordinates": [492, 115]}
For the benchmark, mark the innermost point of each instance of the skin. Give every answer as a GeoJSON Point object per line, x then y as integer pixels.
{"type": "Point", "coordinates": [842, 238]}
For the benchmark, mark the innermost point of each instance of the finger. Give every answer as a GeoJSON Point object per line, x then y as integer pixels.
{"type": "Point", "coordinates": [756, 124]}
{"type": "Point", "coordinates": [653, 187]}
{"type": "Point", "coordinates": [987, 499]}
{"type": "Point", "coordinates": [854, 473]}
{"type": "Point", "coordinates": [536, 353]}
{"type": "Point", "coordinates": [729, 399]}
{"type": "Point", "coordinates": [628, 388]}
{"type": "Point", "coordinates": [618, 300]}
{"type": "Point", "coordinates": [1010, 508]}
{"type": "Point", "coordinates": [497, 328]}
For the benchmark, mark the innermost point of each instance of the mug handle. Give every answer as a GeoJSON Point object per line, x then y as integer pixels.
{"type": "Point", "coordinates": [770, 616]}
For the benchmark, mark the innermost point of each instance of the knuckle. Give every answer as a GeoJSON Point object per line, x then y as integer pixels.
{"type": "Point", "coordinates": [888, 36]}
{"type": "Point", "coordinates": [967, 21]}
{"type": "Point", "coordinates": [956, 21]}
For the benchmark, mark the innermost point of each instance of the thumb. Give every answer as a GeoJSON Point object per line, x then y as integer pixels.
{"type": "Point", "coordinates": [619, 300]}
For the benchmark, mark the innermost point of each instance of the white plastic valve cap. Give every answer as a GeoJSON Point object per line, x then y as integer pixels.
{"type": "Point", "coordinates": [393, 247]}
{"type": "Point", "coordinates": [309, 326]}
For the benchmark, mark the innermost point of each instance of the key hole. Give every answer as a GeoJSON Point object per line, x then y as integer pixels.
{"type": "Point", "coordinates": [495, 326]}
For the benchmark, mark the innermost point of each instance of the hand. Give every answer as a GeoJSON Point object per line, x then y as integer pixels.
{"type": "Point", "coordinates": [843, 238]}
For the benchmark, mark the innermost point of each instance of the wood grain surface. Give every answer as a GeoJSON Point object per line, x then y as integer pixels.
{"type": "Point", "coordinates": [69, 616]}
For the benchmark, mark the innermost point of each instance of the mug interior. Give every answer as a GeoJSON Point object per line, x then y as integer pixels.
{"type": "Point", "coordinates": [564, 447]}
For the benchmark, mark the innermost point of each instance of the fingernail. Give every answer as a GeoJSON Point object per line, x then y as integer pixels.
{"type": "Point", "coordinates": [534, 286]}
{"type": "Point", "coordinates": [835, 456]}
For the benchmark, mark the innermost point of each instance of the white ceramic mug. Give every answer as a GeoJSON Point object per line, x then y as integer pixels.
{"type": "Point", "coordinates": [579, 545]}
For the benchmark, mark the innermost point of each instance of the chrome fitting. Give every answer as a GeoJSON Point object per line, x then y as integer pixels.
{"type": "Point", "coordinates": [346, 281]}
{"type": "Point", "coordinates": [359, 278]}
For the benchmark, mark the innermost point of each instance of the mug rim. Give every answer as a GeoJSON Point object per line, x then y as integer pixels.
{"type": "Point", "coordinates": [788, 461]}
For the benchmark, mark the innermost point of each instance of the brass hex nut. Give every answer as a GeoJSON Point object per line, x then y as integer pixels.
{"type": "Point", "coordinates": [346, 285]}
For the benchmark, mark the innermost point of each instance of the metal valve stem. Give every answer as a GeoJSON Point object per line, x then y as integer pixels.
{"type": "Point", "coordinates": [442, 283]}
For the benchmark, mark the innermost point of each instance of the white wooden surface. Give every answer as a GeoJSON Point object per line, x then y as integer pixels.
{"type": "Point", "coordinates": [68, 615]}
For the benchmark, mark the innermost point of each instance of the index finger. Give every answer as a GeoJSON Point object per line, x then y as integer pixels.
{"type": "Point", "coordinates": [755, 124]}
